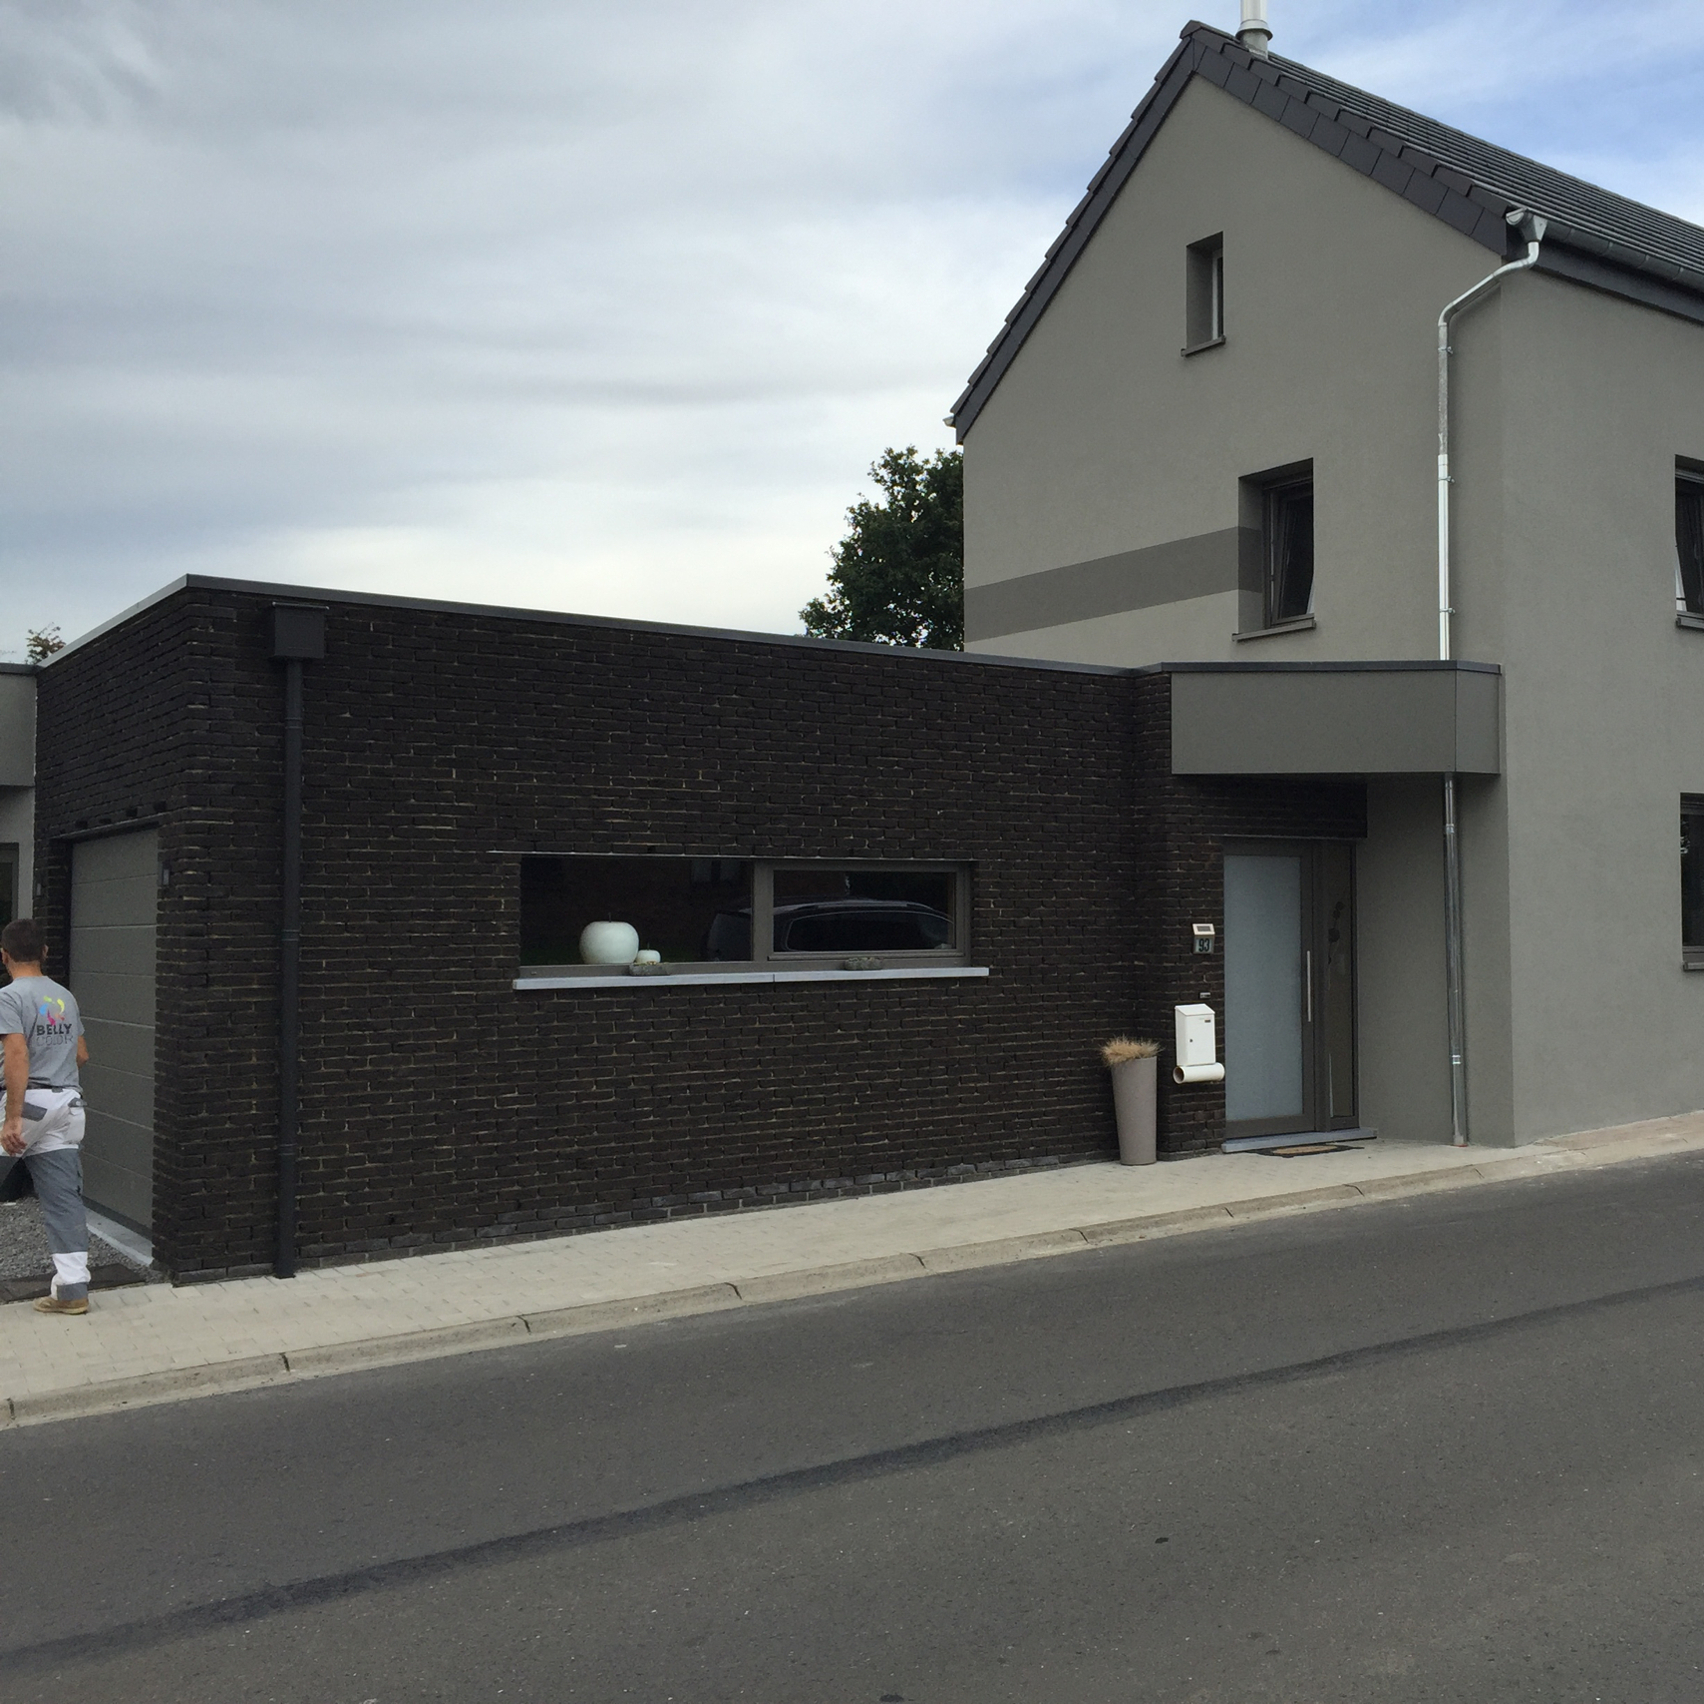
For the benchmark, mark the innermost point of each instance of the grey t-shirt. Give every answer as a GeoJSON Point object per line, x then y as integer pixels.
{"type": "Point", "coordinates": [46, 1016]}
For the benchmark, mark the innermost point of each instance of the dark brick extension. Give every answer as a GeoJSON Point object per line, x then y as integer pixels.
{"type": "Point", "coordinates": [443, 1107]}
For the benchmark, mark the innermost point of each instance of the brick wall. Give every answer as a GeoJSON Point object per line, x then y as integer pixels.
{"type": "Point", "coordinates": [440, 1105]}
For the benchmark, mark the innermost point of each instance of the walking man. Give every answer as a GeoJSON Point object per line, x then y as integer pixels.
{"type": "Point", "coordinates": [41, 1033]}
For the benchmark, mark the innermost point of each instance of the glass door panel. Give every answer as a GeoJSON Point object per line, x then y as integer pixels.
{"type": "Point", "coordinates": [1265, 996]}
{"type": "Point", "coordinates": [1289, 1032]}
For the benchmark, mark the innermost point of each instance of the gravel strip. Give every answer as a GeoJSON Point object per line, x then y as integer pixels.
{"type": "Point", "coordinates": [24, 1252]}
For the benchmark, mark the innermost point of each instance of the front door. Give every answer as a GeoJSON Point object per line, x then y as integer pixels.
{"type": "Point", "coordinates": [1289, 1039]}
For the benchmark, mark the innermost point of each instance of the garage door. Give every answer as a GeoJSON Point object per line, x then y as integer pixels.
{"type": "Point", "coordinates": [114, 891]}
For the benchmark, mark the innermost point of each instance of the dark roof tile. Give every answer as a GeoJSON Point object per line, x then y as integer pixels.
{"type": "Point", "coordinates": [1457, 210]}
{"type": "Point", "coordinates": [1425, 192]}
{"type": "Point", "coordinates": [1491, 231]}
{"type": "Point", "coordinates": [1392, 172]}
{"type": "Point", "coordinates": [1360, 153]}
{"type": "Point", "coordinates": [1242, 83]}
{"type": "Point", "coordinates": [1300, 117]}
{"type": "Point", "coordinates": [1329, 135]}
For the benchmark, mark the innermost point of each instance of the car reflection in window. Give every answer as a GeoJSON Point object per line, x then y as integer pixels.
{"type": "Point", "coordinates": [837, 926]}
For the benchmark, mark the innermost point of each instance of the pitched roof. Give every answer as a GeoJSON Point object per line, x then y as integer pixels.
{"type": "Point", "coordinates": [1595, 237]}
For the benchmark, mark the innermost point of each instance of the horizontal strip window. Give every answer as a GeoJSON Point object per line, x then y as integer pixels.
{"type": "Point", "coordinates": [596, 917]}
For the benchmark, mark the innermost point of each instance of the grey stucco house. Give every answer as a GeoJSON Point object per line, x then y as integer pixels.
{"type": "Point", "coordinates": [1208, 434]}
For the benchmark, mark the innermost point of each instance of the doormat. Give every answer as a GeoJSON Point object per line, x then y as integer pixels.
{"type": "Point", "coordinates": [1312, 1148]}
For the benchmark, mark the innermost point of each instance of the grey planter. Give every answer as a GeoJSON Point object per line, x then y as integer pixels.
{"type": "Point", "coordinates": [1133, 1102]}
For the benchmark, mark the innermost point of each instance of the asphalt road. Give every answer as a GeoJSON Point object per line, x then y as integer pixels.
{"type": "Point", "coordinates": [1443, 1449]}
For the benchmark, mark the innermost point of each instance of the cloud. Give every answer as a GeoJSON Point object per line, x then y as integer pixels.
{"type": "Point", "coordinates": [581, 306]}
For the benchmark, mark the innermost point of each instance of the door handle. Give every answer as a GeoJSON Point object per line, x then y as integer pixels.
{"type": "Point", "coordinates": [1309, 983]}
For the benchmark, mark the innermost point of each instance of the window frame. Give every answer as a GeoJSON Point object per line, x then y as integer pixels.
{"type": "Point", "coordinates": [763, 913]}
{"type": "Point", "coordinates": [1258, 496]}
{"type": "Point", "coordinates": [765, 961]}
{"type": "Point", "coordinates": [1688, 488]}
{"type": "Point", "coordinates": [1204, 294]}
{"type": "Point", "coordinates": [1691, 810]}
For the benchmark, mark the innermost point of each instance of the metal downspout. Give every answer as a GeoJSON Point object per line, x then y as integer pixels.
{"type": "Point", "coordinates": [1532, 227]}
{"type": "Point", "coordinates": [290, 976]}
{"type": "Point", "coordinates": [298, 637]}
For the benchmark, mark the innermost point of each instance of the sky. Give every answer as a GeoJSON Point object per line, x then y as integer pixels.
{"type": "Point", "coordinates": [607, 306]}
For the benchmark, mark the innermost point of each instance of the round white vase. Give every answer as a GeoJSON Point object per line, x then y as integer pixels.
{"type": "Point", "coordinates": [609, 943]}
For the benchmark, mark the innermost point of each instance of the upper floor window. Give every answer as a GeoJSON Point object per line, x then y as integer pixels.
{"type": "Point", "coordinates": [1287, 537]}
{"type": "Point", "coordinates": [1689, 543]}
{"type": "Point", "coordinates": [1206, 294]}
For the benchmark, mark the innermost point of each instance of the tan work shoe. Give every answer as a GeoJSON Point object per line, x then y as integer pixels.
{"type": "Point", "coordinates": [53, 1305]}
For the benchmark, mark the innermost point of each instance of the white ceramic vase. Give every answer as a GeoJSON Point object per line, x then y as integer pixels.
{"type": "Point", "coordinates": [609, 943]}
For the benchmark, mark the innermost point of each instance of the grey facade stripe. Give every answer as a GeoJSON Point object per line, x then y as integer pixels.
{"type": "Point", "coordinates": [1109, 585]}
{"type": "Point", "coordinates": [1648, 256]}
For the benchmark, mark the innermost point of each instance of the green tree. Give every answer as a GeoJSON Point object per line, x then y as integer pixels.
{"type": "Point", "coordinates": [898, 575]}
{"type": "Point", "coordinates": [42, 643]}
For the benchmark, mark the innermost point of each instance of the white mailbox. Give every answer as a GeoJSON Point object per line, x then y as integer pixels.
{"type": "Point", "coordinates": [1197, 1046]}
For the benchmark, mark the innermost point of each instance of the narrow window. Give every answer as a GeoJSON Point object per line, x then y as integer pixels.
{"type": "Point", "coordinates": [1206, 294]}
{"type": "Point", "coordinates": [1689, 544]}
{"type": "Point", "coordinates": [1288, 538]}
{"type": "Point", "coordinates": [1692, 882]}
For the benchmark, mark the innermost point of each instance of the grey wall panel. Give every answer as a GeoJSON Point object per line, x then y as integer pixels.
{"type": "Point", "coordinates": [1338, 721]}
{"type": "Point", "coordinates": [97, 992]}
{"type": "Point", "coordinates": [121, 1046]}
{"type": "Point", "coordinates": [1479, 723]}
{"type": "Point", "coordinates": [127, 1095]}
{"type": "Point", "coordinates": [116, 901]}
{"type": "Point", "coordinates": [114, 898]}
{"type": "Point", "coordinates": [115, 951]}
{"type": "Point", "coordinates": [117, 857]}
{"type": "Point", "coordinates": [17, 729]}
{"type": "Point", "coordinates": [1132, 579]}
{"type": "Point", "coordinates": [1403, 1024]}
{"type": "Point", "coordinates": [113, 1187]}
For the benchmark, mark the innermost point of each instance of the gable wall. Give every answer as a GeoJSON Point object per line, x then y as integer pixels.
{"type": "Point", "coordinates": [1102, 438]}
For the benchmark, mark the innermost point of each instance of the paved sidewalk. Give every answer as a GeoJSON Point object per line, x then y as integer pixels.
{"type": "Point", "coordinates": [156, 1343]}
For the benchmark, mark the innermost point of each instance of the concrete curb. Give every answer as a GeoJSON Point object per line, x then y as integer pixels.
{"type": "Point", "coordinates": [324, 1360]}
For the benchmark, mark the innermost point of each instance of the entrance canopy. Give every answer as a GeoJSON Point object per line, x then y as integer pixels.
{"type": "Point", "coordinates": [1335, 718]}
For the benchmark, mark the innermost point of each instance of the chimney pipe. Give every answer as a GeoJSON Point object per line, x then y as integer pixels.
{"type": "Point", "coordinates": [1255, 33]}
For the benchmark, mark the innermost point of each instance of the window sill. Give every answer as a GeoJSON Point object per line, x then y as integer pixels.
{"type": "Point", "coordinates": [1685, 618]}
{"type": "Point", "coordinates": [1301, 624]}
{"type": "Point", "coordinates": [1196, 348]}
{"type": "Point", "coordinates": [709, 979]}
{"type": "Point", "coordinates": [1692, 964]}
